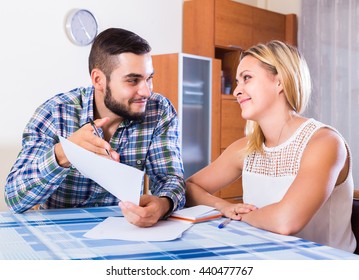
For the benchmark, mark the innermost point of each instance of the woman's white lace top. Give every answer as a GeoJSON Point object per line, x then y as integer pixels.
{"type": "Point", "coordinates": [268, 176]}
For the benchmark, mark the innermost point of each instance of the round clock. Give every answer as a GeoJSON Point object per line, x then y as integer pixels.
{"type": "Point", "coordinates": [81, 27]}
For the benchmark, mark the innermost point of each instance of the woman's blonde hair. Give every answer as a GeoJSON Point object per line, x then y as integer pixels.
{"type": "Point", "coordinates": [284, 60]}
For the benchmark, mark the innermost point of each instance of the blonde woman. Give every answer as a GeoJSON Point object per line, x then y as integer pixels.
{"type": "Point", "coordinates": [296, 171]}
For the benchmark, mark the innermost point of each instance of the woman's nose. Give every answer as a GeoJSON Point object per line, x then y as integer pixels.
{"type": "Point", "coordinates": [237, 91]}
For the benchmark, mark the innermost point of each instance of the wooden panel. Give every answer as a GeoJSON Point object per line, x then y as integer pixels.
{"type": "Point", "coordinates": [291, 28]}
{"type": "Point", "coordinates": [233, 191]}
{"type": "Point", "coordinates": [216, 109]}
{"type": "Point", "coordinates": [268, 26]}
{"type": "Point", "coordinates": [232, 124]}
{"type": "Point", "coordinates": [233, 24]}
{"type": "Point", "coordinates": [165, 80]}
{"type": "Point", "coordinates": [198, 27]}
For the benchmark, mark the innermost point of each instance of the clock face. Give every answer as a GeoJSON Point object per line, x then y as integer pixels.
{"type": "Point", "coordinates": [81, 26]}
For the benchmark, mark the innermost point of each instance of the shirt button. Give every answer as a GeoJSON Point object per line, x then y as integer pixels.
{"type": "Point", "coordinates": [96, 204]}
{"type": "Point", "coordinates": [138, 162]}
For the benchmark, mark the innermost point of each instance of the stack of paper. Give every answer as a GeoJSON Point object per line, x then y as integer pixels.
{"type": "Point", "coordinates": [120, 228]}
{"type": "Point", "coordinates": [196, 214]}
{"type": "Point", "coordinates": [164, 230]}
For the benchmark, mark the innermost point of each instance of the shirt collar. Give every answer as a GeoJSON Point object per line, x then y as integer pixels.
{"type": "Point", "coordinates": [87, 95]}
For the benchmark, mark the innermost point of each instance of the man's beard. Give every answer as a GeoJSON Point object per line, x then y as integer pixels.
{"type": "Point", "coordinates": [121, 109]}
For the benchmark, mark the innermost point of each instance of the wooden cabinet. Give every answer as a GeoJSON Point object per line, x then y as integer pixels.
{"type": "Point", "coordinates": [211, 24]}
{"type": "Point", "coordinates": [222, 29]}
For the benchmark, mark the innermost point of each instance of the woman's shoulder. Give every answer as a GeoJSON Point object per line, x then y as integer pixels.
{"type": "Point", "coordinates": [318, 133]}
{"type": "Point", "coordinates": [238, 144]}
{"type": "Point", "coordinates": [325, 133]}
{"type": "Point", "coordinates": [326, 140]}
{"type": "Point", "coordinates": [328, 149]}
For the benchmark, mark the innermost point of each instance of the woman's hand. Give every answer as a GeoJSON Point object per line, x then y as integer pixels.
{"type": "Point", "coordinates": [234, 211]}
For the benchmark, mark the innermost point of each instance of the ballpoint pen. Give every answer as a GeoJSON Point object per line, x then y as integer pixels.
{"type": "Point", "coordinates": [224, 223]}
{"type": "Point", "coordinates": [97, 133]}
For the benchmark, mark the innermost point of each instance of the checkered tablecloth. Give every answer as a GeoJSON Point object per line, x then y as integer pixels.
{"type": "Point", "coordinates": [58, 234]}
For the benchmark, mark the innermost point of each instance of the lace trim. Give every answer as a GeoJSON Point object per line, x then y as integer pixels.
{"type": "Point", "coordinates": [283, 160]}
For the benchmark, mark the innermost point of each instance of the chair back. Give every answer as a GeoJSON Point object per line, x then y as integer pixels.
{"type": "Point", "coordinates": [355, 222]}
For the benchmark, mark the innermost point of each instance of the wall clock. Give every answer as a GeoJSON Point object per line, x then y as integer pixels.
{"type": "Point", "coordinates": [81, 27]}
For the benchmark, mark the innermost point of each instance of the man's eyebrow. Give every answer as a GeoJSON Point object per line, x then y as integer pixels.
{"type": "Point", "coordinates": [135, 75]}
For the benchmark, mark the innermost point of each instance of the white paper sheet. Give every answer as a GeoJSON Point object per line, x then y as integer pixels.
{"type": "Point", "coordinates": [121, 180]}
{"type": "Point", "coordinates": [119, 228]}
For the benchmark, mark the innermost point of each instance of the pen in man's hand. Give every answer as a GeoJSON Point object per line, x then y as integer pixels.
{"type": "Point", "coordinates": [97, 133]}
{"type": "Point", "coordinates": [224, 223]}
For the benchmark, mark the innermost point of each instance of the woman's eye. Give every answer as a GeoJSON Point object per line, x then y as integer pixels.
{"type": "Point", "coordinates": [246, 77]}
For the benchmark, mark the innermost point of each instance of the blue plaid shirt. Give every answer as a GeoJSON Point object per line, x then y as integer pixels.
{"type": "Point", "coordinates": [151, 145]}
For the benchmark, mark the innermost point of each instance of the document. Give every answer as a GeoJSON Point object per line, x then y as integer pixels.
{"type": "Point", "coordinates": [119, 228]}
{"type": "Point", "coordinates": [121, 180]}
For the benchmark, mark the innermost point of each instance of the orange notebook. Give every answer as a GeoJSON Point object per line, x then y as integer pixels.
{"type": "Point", "coordinates": [196, 214]}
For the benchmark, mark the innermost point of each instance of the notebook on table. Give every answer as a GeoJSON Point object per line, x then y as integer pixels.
{"type": "Point", "coordinates": [196, 214]}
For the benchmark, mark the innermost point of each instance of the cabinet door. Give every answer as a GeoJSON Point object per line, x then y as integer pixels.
{"type": "Point", "coordinates": [268, 26]}
{"type": "Point", "coordinates": [195, 116]}
{"type": "Point", "coordinates": [182, 79]}
{"type": "Point", "coordinates": [232, 192]}
{"type": "Point", "coordinates": [232, 124]}
{"type": "Point", "coordinates": [233, 24]}
{"type": "Point", "coordinates": [232, 129]}
{"type": "Point", "coordinates": [198, 27]}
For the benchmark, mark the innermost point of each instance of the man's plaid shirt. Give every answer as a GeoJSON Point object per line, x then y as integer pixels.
{"type": "Point", "coordinates": [151, 145]}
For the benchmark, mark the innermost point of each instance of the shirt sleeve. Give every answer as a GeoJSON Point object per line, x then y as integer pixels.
{"type": "Point", "coordinates": [36, 173]}
{"type": "Point", "coordinates": [164, 162]}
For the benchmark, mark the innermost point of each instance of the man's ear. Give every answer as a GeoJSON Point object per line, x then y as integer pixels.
{"type": "Point", "coordinates": [98, 79]}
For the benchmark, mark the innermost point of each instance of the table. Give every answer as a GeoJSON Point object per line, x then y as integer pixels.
{"type": "Point", "coordinates": [58, 234]}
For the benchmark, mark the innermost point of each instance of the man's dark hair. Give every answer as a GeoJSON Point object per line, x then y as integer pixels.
{"type": "Point", "coordinates": [112, 42]}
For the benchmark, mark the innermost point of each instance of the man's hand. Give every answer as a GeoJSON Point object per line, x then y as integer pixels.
{"type": "Point", "coordinates": [85, 138]}
{"type": "Point", "coordinates": [150, 210]}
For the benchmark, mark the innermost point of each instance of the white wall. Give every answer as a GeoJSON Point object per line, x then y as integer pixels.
{"type": "Point", "coordinates": [281, 6]}
{"type": "Point", "coordinates": [37, 60]}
